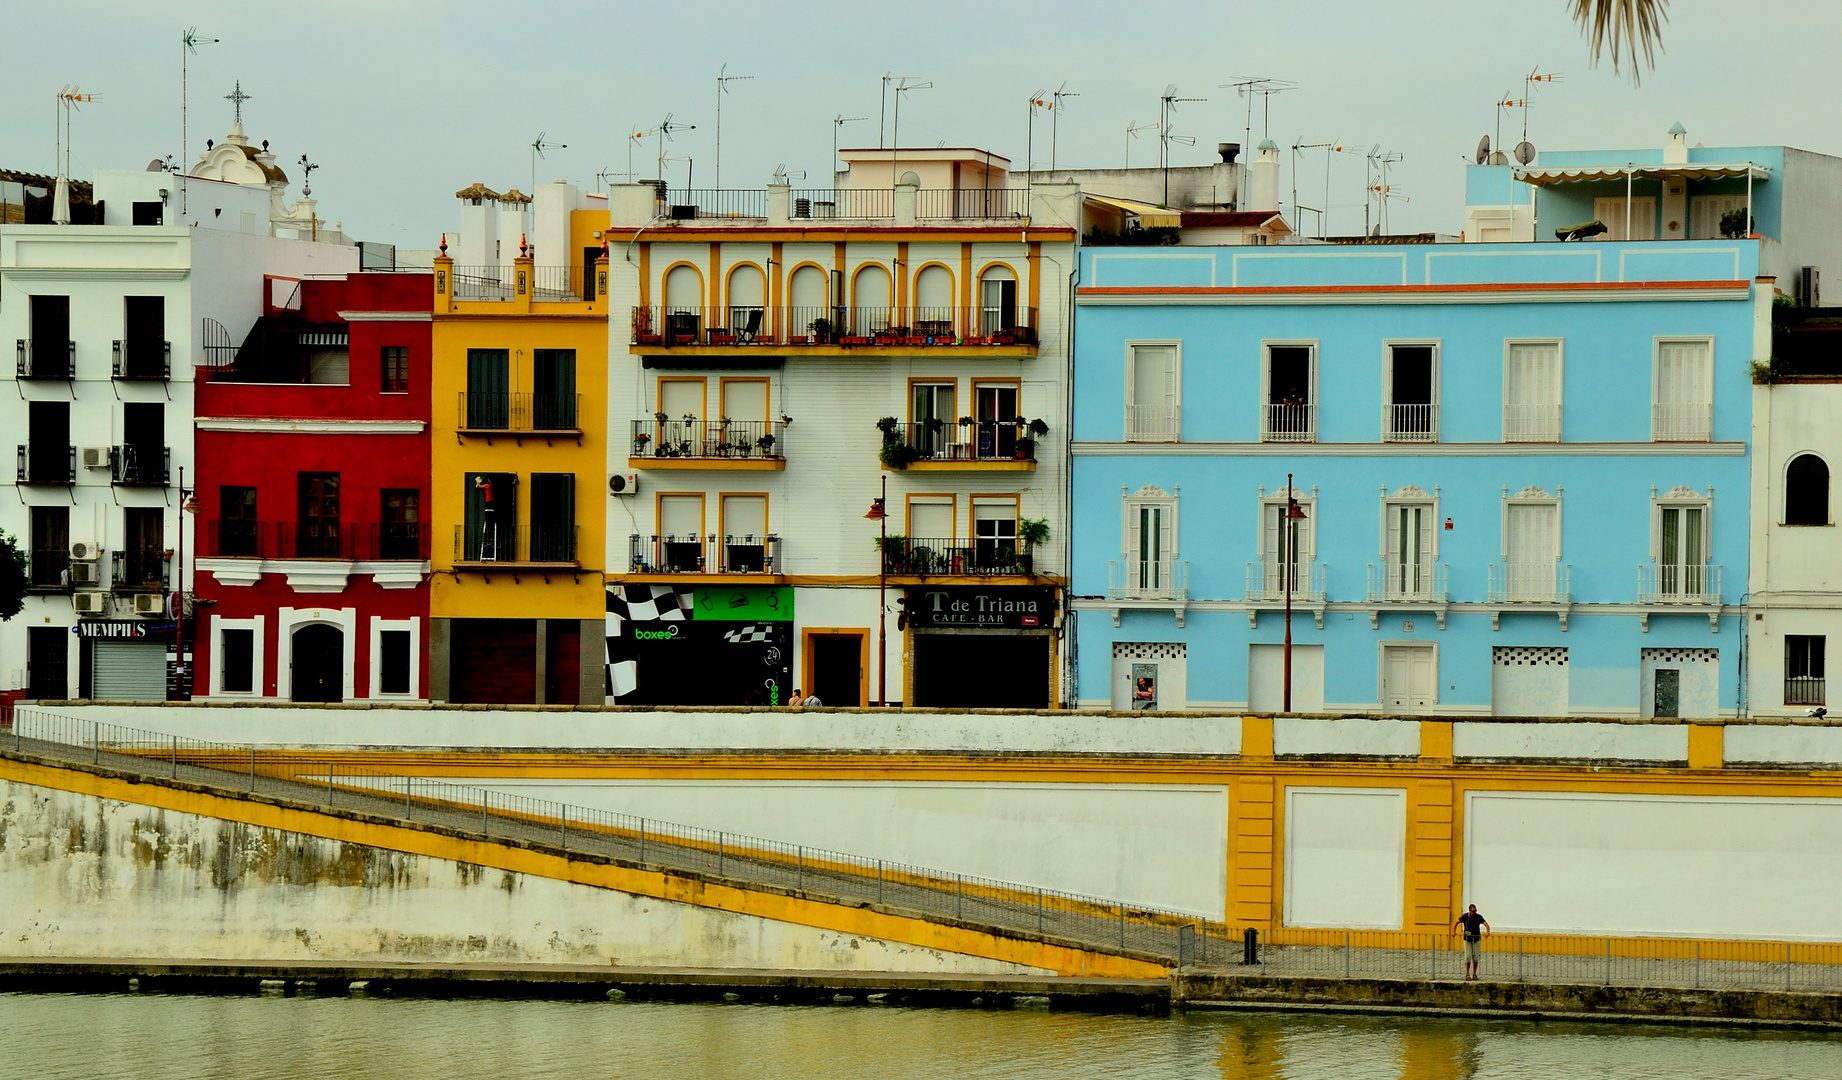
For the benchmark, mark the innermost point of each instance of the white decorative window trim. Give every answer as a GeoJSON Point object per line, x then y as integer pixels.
{"type": "Point", "coordinates": [1267, 345]}
{"type": "Point", "coordinates": [288, 620]}
{"type": "Point", "coordinates": [1388, 347]}
{"type": "Point", "coordinates": [379, 624]}
{"type": "Point", "coordinates": [1682, 497]}
{"type": "Point", "coordinates": [1532, 495]}
{"type": "Point", "coordinates": [257, 682]}
{"type": "Point", "coordinates": [1308, 532]}
{"type": "Point", "coordinates": [1409, 495]}
{"type": "Point", "coordinates": [1656, 379]}
{"type": "Point", "coordinates": [1560, 388]}
{"type": "Point", "coordinates": [1149, 495]}
{"type": "Point", "coordinates": [1175, 421]}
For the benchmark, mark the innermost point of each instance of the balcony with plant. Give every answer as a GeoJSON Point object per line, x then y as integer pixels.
{"type": "Point", "coordinates": [968, 445]}
{"type": "Point", "coordinates": [687, 442]}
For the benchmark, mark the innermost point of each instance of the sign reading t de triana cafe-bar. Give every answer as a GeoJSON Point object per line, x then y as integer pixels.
{"type": "Point", "coordinates": [981, 646]}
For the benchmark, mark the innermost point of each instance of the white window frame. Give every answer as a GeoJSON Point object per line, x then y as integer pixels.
{"type": "Point", "coordinates": [1308, 541]}
{"type": "Point", "coordinates": [257, 683]}
{"type": "Point", "coordinates": [1656, 383]}
{"type": "Point", "coordinates": [1533, 496]}
{"type": "Point", "coordinates": [1267, 345]}
{"type": "Point", "coordinates": [1560, 389]}
{"type": "Point", "coordinates": [1131, 503]}
{"type": "Point", "coordinates": [1388, 345]}
{"type": "Point", "coordinates": [1410, 495]}
{"type": "Point", "coordinates": [379, 624]}
{"type": "Point", "coordinates": [1173, 427]}
{"type": "Point", "coordinates": [1678, 498]}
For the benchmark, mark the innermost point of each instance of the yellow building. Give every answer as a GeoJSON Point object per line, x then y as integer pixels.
{"type": "Point", "coordinates": [516, 601]}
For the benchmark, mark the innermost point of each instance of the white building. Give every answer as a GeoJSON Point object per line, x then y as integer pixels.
{"type": "Point", "coordinates": [108, 322]}
{"type": "Point", "coordinates": [785, 355]}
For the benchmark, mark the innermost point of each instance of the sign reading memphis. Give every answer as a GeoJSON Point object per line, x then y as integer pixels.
{"type": "Point", "coordinates": [950, 606]}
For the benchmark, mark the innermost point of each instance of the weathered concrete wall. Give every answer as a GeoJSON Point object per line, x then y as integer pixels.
{"type": "Point", "coordinates": [87, 877]}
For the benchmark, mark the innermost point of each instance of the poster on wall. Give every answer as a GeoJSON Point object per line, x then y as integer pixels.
{"type": "Point", "coordinates": [699, 645]}
{"type": "Point", "coordinates": [1144, 686]}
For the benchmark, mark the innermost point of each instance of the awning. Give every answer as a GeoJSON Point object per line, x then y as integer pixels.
{"type": "Point", "coordinates": [1692, 171]}
{"type": "Point", "coordinates": [1151, 217]}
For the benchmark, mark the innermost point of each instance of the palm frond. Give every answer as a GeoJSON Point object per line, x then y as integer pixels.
{"type": "Point", "coordinates": [1624, 28]}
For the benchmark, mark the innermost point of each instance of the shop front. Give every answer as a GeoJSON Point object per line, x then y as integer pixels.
{"type": "Point", "coordinates": [129, 660]}
{"type": "Point", "coordinates": [700, 644]}
{"type": "Point", "coordinates": [981, 646]}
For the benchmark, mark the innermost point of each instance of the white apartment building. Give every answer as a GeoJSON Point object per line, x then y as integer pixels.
{"type": "Point", "coordinates": [794, 372]}
{"type": "Point", "coordinates": [108, 322]}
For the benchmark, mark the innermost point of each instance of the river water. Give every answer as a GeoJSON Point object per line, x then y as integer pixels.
{"type": "Point", "coordinates": [55, 1036]}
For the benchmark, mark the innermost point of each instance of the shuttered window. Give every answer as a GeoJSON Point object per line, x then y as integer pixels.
{"type": "Point", "coordinates": [1684, 407]}
{"type": "Point", "coordinates": [1151, 388]}
{"type": "Point", "coordinates": [1532, 392]}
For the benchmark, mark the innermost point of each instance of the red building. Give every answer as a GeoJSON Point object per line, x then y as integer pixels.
{"type": "Point", "coordinates": [313, 463]}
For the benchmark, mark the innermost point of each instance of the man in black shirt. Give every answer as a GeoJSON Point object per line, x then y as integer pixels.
{"type": "Point", "coordinates": [1475, 930]}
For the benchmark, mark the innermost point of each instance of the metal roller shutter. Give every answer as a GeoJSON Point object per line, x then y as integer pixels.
{"type": "Point", "coordinates": [129, 670]}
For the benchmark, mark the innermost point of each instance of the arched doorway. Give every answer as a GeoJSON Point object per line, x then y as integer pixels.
{"type": "Point", "coordinates": [318, 663]}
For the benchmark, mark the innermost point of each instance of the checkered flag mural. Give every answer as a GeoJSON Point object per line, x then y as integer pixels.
{"type": "Point", "coordinates": [747, 634]}
{"type": "Point", "coordinates": [638, 603]}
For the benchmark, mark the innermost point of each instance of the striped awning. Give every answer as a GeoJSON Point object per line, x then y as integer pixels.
{"type": "Point", "coordinates": [1573, 174]}
{"type": "Point", "coordinates": [309, 337]}
{"type": "Point", "coordinates": [1151, 217]}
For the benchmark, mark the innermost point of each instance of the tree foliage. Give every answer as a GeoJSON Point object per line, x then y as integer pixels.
{"type": "Point", "coordinates": [1623, 28]}
{"type": "Point", "coordinates": [13, 577]}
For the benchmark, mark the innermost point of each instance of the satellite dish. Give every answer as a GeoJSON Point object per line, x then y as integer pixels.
{"type": "Point", "coordinates": [156, 165]}
{"type": "Point", "coordinates": [1483, 150]}
{"type": "Point", "coordinates": [1499, 158]}
{"type": "Point", "coordinates": [1525, 152]}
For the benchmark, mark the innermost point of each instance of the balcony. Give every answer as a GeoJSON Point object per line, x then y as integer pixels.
{"type": "Point", "coordinates": [145, 465]}
{"type": "Point", "coordinates": [1153, 423]}
{"type": "Point", "coordinates": [543, 416]}
{"type": "Point", "coordinates": [54, 466]}
{"type": "Point", "coordinates": [690, 443]}
{"type": "Point", "coordinates": [49, 571]}
{"type": "Point", "coordinates": [1266, 589]}
{"type": "Point", "coordinates": [42, 358]}
{"type": "Point", "coordinates": [1289, 423]}
{"type": "Point", "coordinates": [1410, 423]}
{"type": "Point", "coordinates": [392, 541]}
{"type": "Point", "coordinates": [139, 570]}
{"type": "Point", "coordinates": [1531, 423]}
{"type": "Point", "coordinates": [751, 205]}
{"type": "Point", "coordinates": [920, 557]}
{"type": "Point", "coordinates": [695, 553]}
{"type": "Point", "coordinates": [1156, 584]}
{"type": "Point", "coordinates": [834, 330]}
{"type": "Point", "coordinates": [1803, 690]}
{"type": "Point", "coordinates": [1544, 586]}
{"type": "Point", "coordinates": [943, 445]}
{"type": "Point", "coordinates": [503, 284]}
{"type": "Point", "coordinates": [1408, 586]}
{"type": "Point", "coordinates": [143, 359]}
{"type": "Point", "coordinates": [1669, 587]}
{"type": "Point", "coordinates": [485, 546]}
{"type": "Point", "coordinates": [1681, 423]}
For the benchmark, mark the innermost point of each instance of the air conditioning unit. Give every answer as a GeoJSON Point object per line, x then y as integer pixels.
{"type": "Point", "coordinates": [95, 457]}
{"type": "Point", "coordinates": [85, 551]}
{"type": "Point", "coordinates": [85, 573]}
{"type": "Point", "coordinates": [624, 484]}
{"type": "Point", "coordinates": [90, 603]}
{"type": "Point", "coordinates": [1808, 295]}
{"type": "Point", "coordinates": [149, 603]}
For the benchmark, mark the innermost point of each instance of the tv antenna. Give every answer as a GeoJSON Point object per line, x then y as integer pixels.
{"type": "Point", "coordinates": [664, 131]}
{"type": "Point", "coordinates": [1167, 104]}
{"type": "Point", "coordinates": [722, 87]}
{"type": "Point", "coordinates": [538, 146]}
{"type": "Point", "coordinates": [1038, 100]}
{"type": "Point", "coordinates": [69, 100]}
{"type": "Point", "coordinates": [902, 86]}
{"type": "Point", "coordinates": [1323, 212]}
{"type": "Point", "coordinates": [1062, 93]}
{"type": "Point", "coordinates": [1250, 87]}
{"type": "Point", "coordinates": [838, 122]}
{"type": "Point", "coordinates": [1377, 188]}
{"type": "Point", "coordinates": [189, 41]}
{"type": "Point", "coordinates": [1132, 130]}
{"type": "Point", "coordinates": [1525, 150]}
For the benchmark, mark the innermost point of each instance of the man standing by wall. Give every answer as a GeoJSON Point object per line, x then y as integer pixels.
{"type": "Point", "coordinates": [1475, 930]}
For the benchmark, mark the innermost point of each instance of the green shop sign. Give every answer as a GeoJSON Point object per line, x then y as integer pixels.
{"type": "Point", "coordinates": [742, 603]}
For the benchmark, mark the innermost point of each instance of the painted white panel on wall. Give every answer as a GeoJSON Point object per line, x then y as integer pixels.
{"type": "Point", "coordinates": [1346, 851]}
{"type": "Point", "coordinates": [1266, 681]}
{"type": "Point", "coordinates": [1538, 862]}
{"type": "Point", "coordinates": [1360, 738]}
{"type": "Point", "coordinates": [1165, 846]}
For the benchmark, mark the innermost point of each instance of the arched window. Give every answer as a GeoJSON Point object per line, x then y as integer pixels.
{"type": "Point", "coordinates": [812, 312]}
{"type": "Point", "coordinates": [1806, 491]}
{"type": "Point", "coordinates": [870, 296]}
{"type": "Point", "coordinates": [997, 300]}
{"type": "Point", "coordinates": [934, 300]}
{"type": "Point", "coordinates": [747, 300]}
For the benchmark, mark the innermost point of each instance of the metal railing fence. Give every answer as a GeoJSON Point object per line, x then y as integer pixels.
{"type": "Point", "coordinates": [1162, 578]}
{"type": "Point", "coordinates": [743, 325]}
{"type": "Point", "coordinates": [692, 438]}
{"type": "Point", "coordinates": [45, 358]}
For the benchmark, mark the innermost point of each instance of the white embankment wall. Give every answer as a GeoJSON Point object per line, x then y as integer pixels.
{"type": "Point", "coordinates": [87, 877]}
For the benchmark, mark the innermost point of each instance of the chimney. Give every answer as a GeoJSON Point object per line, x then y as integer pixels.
{"type": "Point", "coordinates": [1675, 151]}
{"type": "Point", "coordinates": [1229, 151]}
{"type": "Point", "coordinates": [1263, 178]}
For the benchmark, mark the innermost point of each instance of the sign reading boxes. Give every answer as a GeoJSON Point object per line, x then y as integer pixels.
{"type": "Point", "coordinates": [703, 645]}
{"type": "Point", "coordinates": [981, 607]}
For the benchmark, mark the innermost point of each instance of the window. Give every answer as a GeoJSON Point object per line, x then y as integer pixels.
{"type": "Point", "coordinates": [1611, 212]}
{"type": "Point", "coordinates": [747, 301]}
{"type": "Point", "coordinates": [1285, 556]}
{"type": "Point", "coordinates": [870, 300]}
{"type": "Point", "coordinates": [1289, 393]}
{"type": "Point", "coordinates": [809, 293]}
{"type": "Point", "coordinates": [681, 526]}
{"type": "Point", "coordinates": [1531, 547]}
{"type": "Point", "coordinates": [1803, 669]}
{"type": "Point", "coordinates": [994, 532]}
{"type": "Point", "coordinates": [393, 360]}
{"type": "Point", "coordinates": [143, 346]}
{"type": "Point", "coordinates": [317, 524]}
{"type": "Point", "coordinates": [553, 517]}
{"type": "Point", "coordinates": [50, 546]}
{"type": "Point", "coordinates": [744, 528]}
{"type": "Point", "coordinates": [1806, 491]}
{"type": "Point", "coordinates": [997, 301]}
{"type": "Point", "coordinates": [1682, 537]}
{"type": "Point", "coordinates": [236, 525]}
{"type": "Point", "coordinates": [930, 520]}
{"type": "Point", "coordinates": [143, 452]}
{"type": "Point", "coordinates": [143, 560]}
{"type": "Point", "coordinates": [488, 403]}
{"type": "Point", "coordinates": [50, 352]}
{"type": "Point", "coordinates": [553, 400]}
{"type": "Point", "coordinates": [149, 213]}
{"type": "Point", "coordinates": [1411, 413]}
{"type": "Point", "coordinates": [48, 449]}
{"type": "Point", "coordinates": [236, 660]}
{"type": "Point", "coordinates": [934, 427]}
{"type": "Point", "coordinates": [684, 305]}
{"type": "Point", "coordinates": [1153, 386]}
{"type": "Point", "coordinates": [1410, 544]}
{"type": "Point", "coordinates": [1532, 391]}
{"type": "Point", "coordinates": [400, 524]}
{"type": "Point", "coordinates": [490, 533]}
{"type": "Point", "coordinates": [995, 413]}
{"type": "Point", "coordinates": [1150, 543]}
{"type": "Point", "coordinates": [1683, 405]}
{"type": "Point", "coordinates": [393, 661]}
{"type": "Point", "coordinates": [745, 406]}
{"type": "Point", "coordinates": [1705, 212]}
{"type": "Point", "coordinates": [934, 308]}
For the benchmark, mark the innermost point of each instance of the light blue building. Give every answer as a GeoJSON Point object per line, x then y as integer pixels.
{"type": "Point", "coordinates": [1523, 469]}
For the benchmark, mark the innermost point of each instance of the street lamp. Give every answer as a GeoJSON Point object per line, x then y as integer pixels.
{"type": "Point", "coordinates": [188, 503]}
{"type": "Point", "coordinates": [1289, 570]}
{"type": "Point", "coordinates": [879, 514]}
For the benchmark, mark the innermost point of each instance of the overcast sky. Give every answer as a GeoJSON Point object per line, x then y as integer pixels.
{"type": "Point", "coordinates": [403, 102]}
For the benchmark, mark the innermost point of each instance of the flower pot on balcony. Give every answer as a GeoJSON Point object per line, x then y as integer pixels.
{"type": "Point", "coordinates": [799, 339]}
{"type": "Point", "coordinates": [1026, 449]}
{"type": "Point", "coordinates": [647, 339]}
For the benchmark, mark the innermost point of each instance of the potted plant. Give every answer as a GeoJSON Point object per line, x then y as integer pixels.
{"type": "Point", "coordinates": [660, 417]}
{"type": "Point", "coordinates": [766, 445]}
{"type": "Point", "coordinates": [934, 424]}
{"type": "Point", "coordinates": [894, 548]}
{"type": "Point", "coordinates": [887, 426]}
{"type": "Point", "coordinates": [821, 331]}
{"type": "Point", "coordinates": [1031, 531]}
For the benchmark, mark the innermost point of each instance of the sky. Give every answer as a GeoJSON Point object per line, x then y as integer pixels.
{"type": "Point", "coordinates": [403, 102]}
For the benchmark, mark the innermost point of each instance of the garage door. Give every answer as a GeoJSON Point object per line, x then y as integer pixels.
{"type": "Point", "coordinates": [129, 670]}
{"type": "Point", "coordinates": [982, 671]}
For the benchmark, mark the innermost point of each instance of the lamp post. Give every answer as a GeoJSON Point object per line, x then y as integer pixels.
{"type": "Point", "coordinates": [879, 514]}
{"type": "Point", "coordinates": [1288, 570]}
{"type": "Point", "coordinates": [188, 504]}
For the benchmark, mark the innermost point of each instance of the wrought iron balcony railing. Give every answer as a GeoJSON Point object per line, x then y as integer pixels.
{"type": "Point", "coordinates": [692, 438]}
{"type": "Point", "coordinates": [536, 545]}
{"type": "Point", "coordinates": [922, 557]}
{"type": "Point", "coordinates": [1803, 690]}
{"type": "Point", "coordinates": [1693, 584]}
{"type": "Point", "coordinates": [1407, 583]}
{"type": "Point", "coordinates": [1289, 423]}
{"type": "Point", "coordinates": [1148, 579]}
{"type": "Point", "coordinates": [1531, 423]}
{"type": "Point", "coordinates": [139, 570]}
{"type": "Point", "coordinates": [55, 465]}
{"type": "Point", "coordinates": [44, 358]}
{"type": "Point", "coordinates": [704, 553]}
{"type": "Point", "coordinates": [1676, 422]}
{"type": "Point", "coordinates": [1410, 423]}
{"type": "Point", "coordinates": [1153, 423]}
{"type": "Point", "coordinates": [1266, 582]}
{"type": "Point", "coordinates": [1530, 583]}
{"type": "Point", "coordinates": [143, 358]}
{"type": "Point", "coordinates": [520, 413]}
{"type": "Point", "coordinates": [141, 464]}
{"type": "Point", "coordinates": [981, 440]}
{"type": "Point", "coordinates": [682, 326]}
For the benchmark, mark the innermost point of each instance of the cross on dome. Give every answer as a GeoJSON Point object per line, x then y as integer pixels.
{"type": "Point", "coordinates": [237, 97]}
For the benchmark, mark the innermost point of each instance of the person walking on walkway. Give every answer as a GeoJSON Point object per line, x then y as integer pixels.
{"type": "Point", "coordinates": [1475, 931]}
